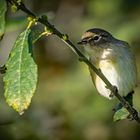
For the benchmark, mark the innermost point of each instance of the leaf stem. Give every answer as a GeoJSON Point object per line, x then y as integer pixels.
{"type": "Point", "coordinates": [42, 34]}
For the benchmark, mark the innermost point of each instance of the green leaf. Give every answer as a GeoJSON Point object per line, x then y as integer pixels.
{"type": "Point", "coordinates": [3, 8]}
{"type": "Point", "coordinates": [21, 75]}
{"type": "Point", "coordinates": [121, 114]}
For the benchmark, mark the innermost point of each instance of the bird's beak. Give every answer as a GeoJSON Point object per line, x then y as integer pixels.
{"type": "Point", "coordinates": [82, 42]}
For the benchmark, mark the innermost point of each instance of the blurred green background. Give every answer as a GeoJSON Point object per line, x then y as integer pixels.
{"type": "Point", "coordinates": [66, 106]}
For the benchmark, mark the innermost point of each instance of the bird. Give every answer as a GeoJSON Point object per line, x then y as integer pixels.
{"type": "Point", "coordinates": [116, 61]}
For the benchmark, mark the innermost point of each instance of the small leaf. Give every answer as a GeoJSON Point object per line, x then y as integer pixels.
{"type": "Point", "coordinates": [21, 75]}
{"type": "Point", "coordinates": [14, 8]}
{"type": "Point", "coordinates": [121, 114]}
{"type": "Point", "coordinates": [19, 2]}
{"type": "Point", "coordinates": [3, 8]}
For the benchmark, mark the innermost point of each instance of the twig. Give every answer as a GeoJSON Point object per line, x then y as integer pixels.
{"type": "Point", "coordinates": [65, 38]}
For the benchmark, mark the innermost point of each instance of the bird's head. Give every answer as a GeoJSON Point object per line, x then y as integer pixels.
{"type": "Point", "coordinates": [96, 40]}
{"type": "Point", "coordinates": [95, 37]}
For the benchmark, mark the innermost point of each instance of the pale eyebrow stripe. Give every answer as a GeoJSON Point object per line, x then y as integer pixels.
{"type": "Point", "coordinates": [87, 38]}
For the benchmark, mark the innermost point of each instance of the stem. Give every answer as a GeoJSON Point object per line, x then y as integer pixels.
{"type": "Point", "coordinates": [65, 38]}
{"type": "Point", "coordinates": [42, 34]}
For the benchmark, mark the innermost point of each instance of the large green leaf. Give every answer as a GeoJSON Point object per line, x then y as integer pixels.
{"type": "Point", "coordinates": [121, 114]}
{"type": "Point", "coordinates": [3, 9]}
{"type": "Point", "coordinates": [21, 74]}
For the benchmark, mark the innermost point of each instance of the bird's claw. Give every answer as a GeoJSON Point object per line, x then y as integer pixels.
{"type": "Point", "coordinates": [114, 90]}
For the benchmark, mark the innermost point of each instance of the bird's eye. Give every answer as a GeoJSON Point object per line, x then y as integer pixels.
{"type": "Point", "coordinates": [96, 38]}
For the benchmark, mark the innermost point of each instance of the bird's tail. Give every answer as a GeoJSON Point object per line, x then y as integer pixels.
{"type": "Point", "coordinates": [128, 98]}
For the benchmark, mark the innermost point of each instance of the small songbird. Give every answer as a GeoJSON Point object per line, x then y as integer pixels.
{"type": "Point", "coordinates": [115, 60]}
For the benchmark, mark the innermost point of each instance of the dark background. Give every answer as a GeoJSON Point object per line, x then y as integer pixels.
{"type": "Point", "coordinates": [66, 105]}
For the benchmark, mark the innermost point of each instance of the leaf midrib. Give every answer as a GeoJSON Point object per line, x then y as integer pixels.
{"type": "Point", "coordinates": [20, 60]}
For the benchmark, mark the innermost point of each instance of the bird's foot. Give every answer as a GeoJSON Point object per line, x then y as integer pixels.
{"type": "Point", "coordinates": [113, 91]}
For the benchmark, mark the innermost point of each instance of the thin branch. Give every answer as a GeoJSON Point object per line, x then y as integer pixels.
{"type": "Point", "coordinates": [65, 38]}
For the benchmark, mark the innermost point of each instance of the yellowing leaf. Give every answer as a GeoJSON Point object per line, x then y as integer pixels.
{"type": "Point", "coordinates": [21, 75]}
